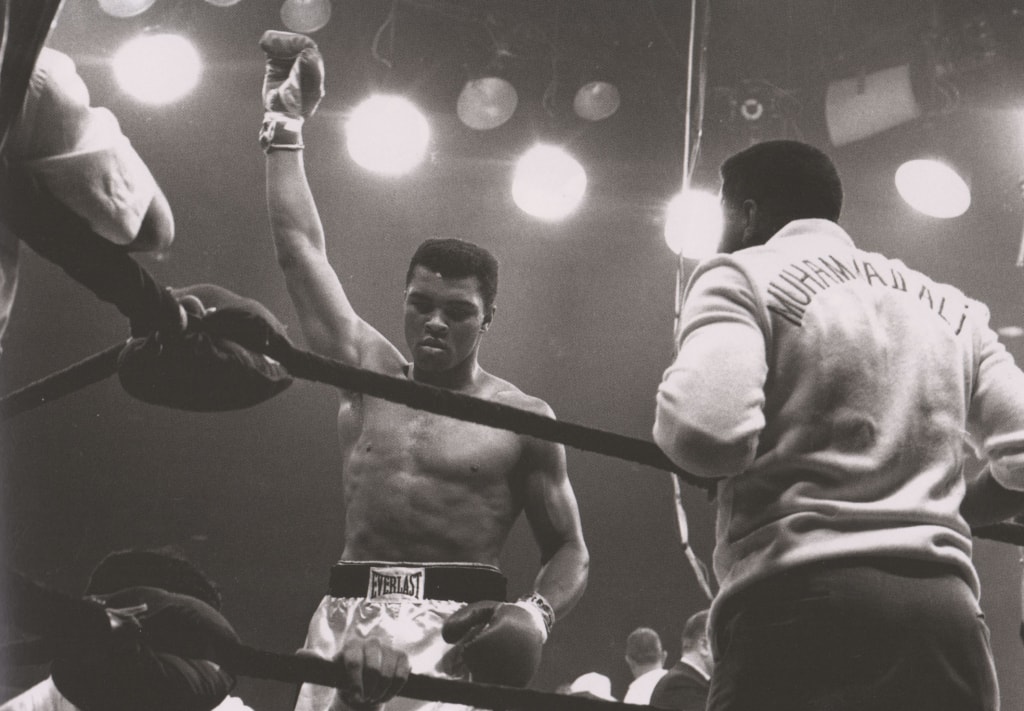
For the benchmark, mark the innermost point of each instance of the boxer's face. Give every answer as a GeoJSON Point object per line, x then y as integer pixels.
{"type": "Point", "coordinates": [444, 319]}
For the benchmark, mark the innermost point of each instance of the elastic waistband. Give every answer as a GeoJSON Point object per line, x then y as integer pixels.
{"type": "Point", "coordinates": [796, 580]}
{"type": "Point", "coordinates": [462, 582]}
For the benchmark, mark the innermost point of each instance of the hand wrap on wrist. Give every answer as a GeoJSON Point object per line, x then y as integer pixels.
{"type": "Point", "coordinates": [538, 606]}
{"type": "Point", "coordinates": [281, 132]}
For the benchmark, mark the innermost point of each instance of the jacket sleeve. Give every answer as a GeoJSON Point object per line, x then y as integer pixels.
{"type": "Point", "coordinates": [709, 412]}
{"type": "Point", "coordinates": [995, 422]}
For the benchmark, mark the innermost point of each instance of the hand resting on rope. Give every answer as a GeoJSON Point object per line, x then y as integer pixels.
{"type": "Point", "coordinates": [147, 634]}
{"type": "Point", "coordinates": [371, 672]}
{"type": "Point", "coordinates": [203, 368]}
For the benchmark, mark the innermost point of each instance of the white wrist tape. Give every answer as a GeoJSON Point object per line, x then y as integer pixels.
{"type": "Point", "coordinates": [541, 611]}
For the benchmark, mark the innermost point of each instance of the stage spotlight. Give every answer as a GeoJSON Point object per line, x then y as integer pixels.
{"type": "Point", "coordinates": [387, 134]}
{"type": "Point", "coordinates": [305, 15]}
{"type": "Point", "coordinates": [933, 188]}
{"type": "Point", "coordinates": [548, 183]}
{"type": "Point", "coordinates": [596, 100]}
{"type": "Point", "coordinates": [157, 69]}
{"type": "Point", "coordinates": [693, 224]}
{"type": "Point", "coordinates": [859, 107]}
{"type": "Point", "coordinates": [486, 103]}
{"type": "Point", "coordinates": [125, 8]}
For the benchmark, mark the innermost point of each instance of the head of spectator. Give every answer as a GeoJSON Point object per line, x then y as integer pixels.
{"type": "Point", "coordinates": [644, 652]}
{"type": "Point", "coordinates": [696, 645]}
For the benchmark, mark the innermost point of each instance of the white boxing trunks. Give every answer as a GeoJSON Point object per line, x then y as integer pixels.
{"type": "Point", "coordinates": [404, 605]}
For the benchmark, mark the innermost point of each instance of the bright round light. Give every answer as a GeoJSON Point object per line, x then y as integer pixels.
{"type": "Point", "coordinates": [223, 3]}
{"type": "Point", "coordinates": [387, 134]}
{"type": "Point", "coordinates": [933, 188]}
{"type": "Point", "coordinates": [548, 182]}
{"type": "Point", "coordinates": [486, 103]}
{"type": "Point", "coordinates": [693, 224]}
{"type": "Point", "coordinates": [596, 101]}
{"type": "Point", "coordinates": [125, 8]}
{"type": "Point", "coordinates": [305, 15]}
{"type": "Point", "coordinates": [157, 69]}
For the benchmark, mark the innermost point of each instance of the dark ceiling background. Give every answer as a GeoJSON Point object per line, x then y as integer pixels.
{"type": "Point", "coordinates": [585, 307]}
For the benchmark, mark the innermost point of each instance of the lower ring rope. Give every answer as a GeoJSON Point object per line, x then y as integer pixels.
{"type": "Point", "coordinates": [310, 366]}
{"type": "Point", "coordinates": [298, 668]}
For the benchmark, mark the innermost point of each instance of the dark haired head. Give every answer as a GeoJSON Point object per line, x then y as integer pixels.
{"type": "Point", "coordinates": [643, 646]}
{"type": "Point", "coordinates": [161, 568]}
{"type": "Point", "coordinates": [456, 259]}
{"type": "Point", "coordinates": [789, 180]}
{"type": "Point", "coordinates": [695, 629]}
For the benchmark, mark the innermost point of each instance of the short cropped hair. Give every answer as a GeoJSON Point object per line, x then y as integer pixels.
{"type": "Point", "coordinates": [791, 179]}
{"type": "Point", "coordinates": [694, 630]}
{"type": "Point", "coordinates": [643, 646]}
{"type": "Point", "coordinates": [454, 259]}
{"type": "Point", "coordinates": [161, 568]}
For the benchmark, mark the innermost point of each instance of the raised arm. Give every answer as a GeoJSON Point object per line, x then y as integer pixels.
{"type": "Point", "coordinates": [292, 88]}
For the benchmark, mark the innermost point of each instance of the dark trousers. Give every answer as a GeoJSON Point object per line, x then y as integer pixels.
{"type": "Point", "coordinates": [862, 635]}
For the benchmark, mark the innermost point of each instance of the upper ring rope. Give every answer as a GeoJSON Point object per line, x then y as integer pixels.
{"type": "Point", "coordinates": [314, 367]}
{"type": "Point", "coordinates": [310, 366]}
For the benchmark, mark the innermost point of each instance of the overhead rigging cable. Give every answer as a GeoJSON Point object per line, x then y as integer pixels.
{"type": "Point", "coordinates": [692, 118]}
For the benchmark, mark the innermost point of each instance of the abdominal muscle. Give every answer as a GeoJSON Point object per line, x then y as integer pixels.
{"type": "Point", "coordinates": [426, 488]}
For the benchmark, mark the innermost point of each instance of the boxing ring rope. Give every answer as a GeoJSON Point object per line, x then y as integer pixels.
{"type": "Point", "coordinates": [317, 368]}
{"type": "Point", "coordinates": [58, 618]}
{"type": "Point", "coordinates": [116, 278]}
{"type": "Point", "coordinates": [297, 668]}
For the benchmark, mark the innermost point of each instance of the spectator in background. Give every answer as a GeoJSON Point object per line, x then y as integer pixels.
{"type": "Point", "coordinates": [592, 686]}
{"type": "Point", "coordinates": [685, 686]}
{"type": "Point", "coordinates": [646, 659]}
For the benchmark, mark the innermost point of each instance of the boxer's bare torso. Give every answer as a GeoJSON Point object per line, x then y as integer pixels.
{"type": "Point", "coordinates": [420, 487]}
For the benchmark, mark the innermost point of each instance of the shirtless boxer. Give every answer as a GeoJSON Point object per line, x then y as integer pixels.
{"type": "Point", "coordinates": [429, 501]}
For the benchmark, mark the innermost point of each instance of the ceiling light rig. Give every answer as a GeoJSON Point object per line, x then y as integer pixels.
{"type": "Point", "coordinates": [305, 16]}
{"type": "Point", "coordinates": [933, 187]}
{"type": "Point", "coordinates": [596, 100]}
{"type": "Point", "coordinates": [125, 8]}
{"type": "Point", "coordinates": [693, 224]}
{"type": "Point", "coordinates": [486, 102]}
{"type": "Point", "coordinates": [387, 134]}
{"type": "Point", "coordinates": [759, 110]}
{"type": "Point", "coordinates": [548, 183]}
{"type": "Point", "coordinates": [157, 69]}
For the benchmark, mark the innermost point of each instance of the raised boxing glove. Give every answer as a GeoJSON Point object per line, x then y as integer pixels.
{"type": "Point", "coordinates": [293, 83]}
{"type": "Point", "coordinates": [501, 641]}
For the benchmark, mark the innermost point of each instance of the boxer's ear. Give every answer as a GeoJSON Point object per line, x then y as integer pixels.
{"type": "Point", "coordinates": [751, 215]}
